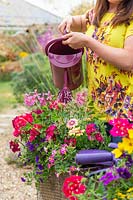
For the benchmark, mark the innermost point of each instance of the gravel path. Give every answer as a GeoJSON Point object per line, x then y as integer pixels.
{"type": "Point", "coordinates": [11, 186]}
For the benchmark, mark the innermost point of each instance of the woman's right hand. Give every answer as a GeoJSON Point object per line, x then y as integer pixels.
{"type": "Point", "coordinates": [65, 25]}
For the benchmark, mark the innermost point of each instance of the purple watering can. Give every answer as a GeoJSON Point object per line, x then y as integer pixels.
{"type": "Point", "coordinates": [66, 67]}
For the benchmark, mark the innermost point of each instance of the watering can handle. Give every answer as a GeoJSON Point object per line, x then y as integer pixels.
{"type": "Point", "coordinates": [50, 43]}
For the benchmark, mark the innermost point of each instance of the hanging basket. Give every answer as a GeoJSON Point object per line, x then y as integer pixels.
{"type": "Point", "coordinates": [51, 189]}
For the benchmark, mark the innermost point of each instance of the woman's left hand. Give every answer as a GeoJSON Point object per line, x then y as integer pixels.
{"type": "Point", "coordinates": [75, 40]}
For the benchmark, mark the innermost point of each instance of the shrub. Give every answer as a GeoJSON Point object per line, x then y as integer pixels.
{"type": "Point", "coordinates": [36, 74]}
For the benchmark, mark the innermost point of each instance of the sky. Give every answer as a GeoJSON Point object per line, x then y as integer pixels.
{"type": "Point", "coordinates": [58, 7]}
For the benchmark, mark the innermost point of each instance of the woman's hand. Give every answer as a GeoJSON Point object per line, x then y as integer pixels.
{"type": "Point", "coordinates": [75, 40]}
{"type": "Point", "coordinates": [77, 23]}
{"type": "Point", "coordinates": [65, 25]}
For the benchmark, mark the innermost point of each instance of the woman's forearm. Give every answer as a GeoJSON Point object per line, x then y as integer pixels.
{"type": "Point", "coordinates": [79, 23]}
{"type": "Point", "coordinates": [121, 58]}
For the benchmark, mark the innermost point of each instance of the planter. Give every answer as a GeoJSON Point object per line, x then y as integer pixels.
{"type": "Point", "coordinates": [51, 189]}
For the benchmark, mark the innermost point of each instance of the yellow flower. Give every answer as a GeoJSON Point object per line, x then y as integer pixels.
{"type": "Point", "coordinates": [3, 68]}
{"type": "Point", "coordinates": [118, 151]}
{"type": "Point", "coordinates": [122, 196]}
{"type": "Point", "coordinates": [130, 132]}
{"type": "Point", "coordinates": [76, 132]}
{"type": "Point", "coordinates": [129, 196]}
{"type": "Point", "coordinates": [128, 145]}
{"type": "Point", "coordinates": [23, 54]}
{"type": "Point", "coordinates": [130, 189]}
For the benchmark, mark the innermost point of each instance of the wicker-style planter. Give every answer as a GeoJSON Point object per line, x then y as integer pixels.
{"type": "Point", "coordinates": [51, 189]}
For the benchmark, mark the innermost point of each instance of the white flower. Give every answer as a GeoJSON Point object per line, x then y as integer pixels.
{"type": "Point", "coordinates": [72, 123]}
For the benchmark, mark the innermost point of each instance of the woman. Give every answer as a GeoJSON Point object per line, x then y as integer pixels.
{"type": "Point", "coordinates": [109, 44]}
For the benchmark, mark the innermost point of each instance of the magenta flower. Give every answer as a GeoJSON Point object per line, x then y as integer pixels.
{"type": "Point", "coordinates": [51, 160]}
{"type": "Point", "coordinates": [63, 149]}
{"type": "Point", "coordinates": [120, 127]}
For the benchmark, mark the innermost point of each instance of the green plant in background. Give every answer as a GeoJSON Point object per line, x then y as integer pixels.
{"type": "Point", "coordinates": [7, 100]}
{"type": "Point", "coordinates": [36, 74]}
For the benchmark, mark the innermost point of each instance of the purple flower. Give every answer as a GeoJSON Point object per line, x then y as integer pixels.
{"type": "Point", "coordinates": [129, 161]}
{"type": "Point", "coordinates": [40, 166]}
{"type": "Point", "coordinates": [23, 179]}
{"type": "Point", "coordinates": [43, 139]}
{"type": "Point", "coordinates": [37, 159]}
{"type": "Point", "coordinates": [108, 177]}
{"type": "Point", "coordinates": [19, 154]}
{"type": "Point", "coordinates": [30, 146]}
{"type": "Point", "coordinates": [39, 172]}
{"type": "Point", "coordinates": [124, 173]}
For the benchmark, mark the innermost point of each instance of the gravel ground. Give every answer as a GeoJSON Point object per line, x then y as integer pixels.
{"type": "Point", "coordinates": [11, 186]}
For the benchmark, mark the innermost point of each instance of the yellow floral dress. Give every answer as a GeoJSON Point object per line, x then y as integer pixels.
{"type": "Point", "coordinates": [111, 89]}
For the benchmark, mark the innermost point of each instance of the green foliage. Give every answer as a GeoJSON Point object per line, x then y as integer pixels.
{"type": "Point", "coordinates": [3, 58]}
{"type": "Point", "coordinates": [5, 76]}
{"type": "Point", "coordinates": [36, 74]}
{"type": "Point", "coordinates": [7, 100]}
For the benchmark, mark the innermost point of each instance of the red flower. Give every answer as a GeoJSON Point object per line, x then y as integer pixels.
{"type": "Point", "coordinates": [17, 132]}
{"type": "Point", "coordinates": [72, 185]}
{"type": "Point", "coordinates": [14, 146]}
{"type": "Point", "coordinates": [99, 137]}
{"type": "Point", "coordinates": [22, 120]}
{"type": "Point", "coordinates": [34, 132]}
{"type": "Point", "coordinates": [50, 132]}
{"type": "Point", "coordinates": [38, 112]}
{"type": "Point", "coordinates": [71, 141]}
{"type": "Point", "coordinates": [54, 105]}
{"type": "Point", "coordinates": [90, 128]}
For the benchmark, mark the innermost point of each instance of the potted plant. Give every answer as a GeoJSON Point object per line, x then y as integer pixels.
{"type": "Point", "coordinates": [49, 136]}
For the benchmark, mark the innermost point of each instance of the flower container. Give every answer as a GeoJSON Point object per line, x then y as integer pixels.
{"type": "Point", "coordinates": [51, 189]}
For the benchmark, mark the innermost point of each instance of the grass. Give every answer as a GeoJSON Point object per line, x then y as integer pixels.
{"type": "Point", "coordinates": [7, 99]}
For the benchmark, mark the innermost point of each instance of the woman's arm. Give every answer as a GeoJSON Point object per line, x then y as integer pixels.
{"type": "Point", "coordinates": [122, 58]}
{"type": "Point", "coordinates": [73, 23]}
